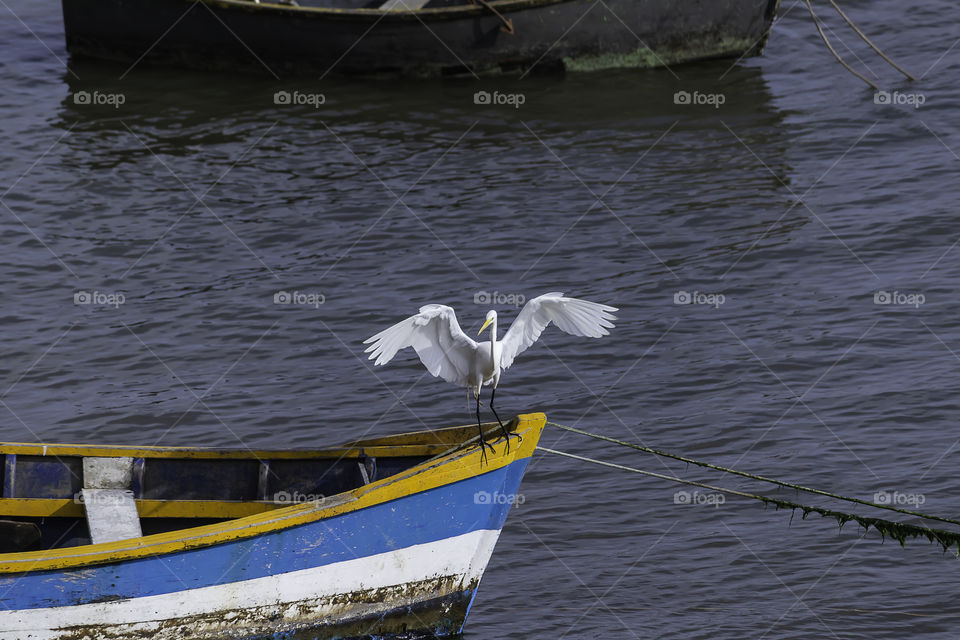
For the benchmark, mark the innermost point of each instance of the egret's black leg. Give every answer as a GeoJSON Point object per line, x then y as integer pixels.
{"type": "Point", "coordinates": [483, 444]}
{"type": "Point", "coordinates": [503, 429]}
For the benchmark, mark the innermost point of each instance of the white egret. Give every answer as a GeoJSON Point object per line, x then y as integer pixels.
{"type": "Point", "coordinates": [449, 353]}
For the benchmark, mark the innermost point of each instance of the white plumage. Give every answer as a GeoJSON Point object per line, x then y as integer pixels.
{"type": "Point", "coordinates": [449, 353]}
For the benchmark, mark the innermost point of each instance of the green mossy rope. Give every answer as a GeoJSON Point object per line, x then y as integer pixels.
{"type": "Point", "coordinates": [898, 531]}
{"type": "Point", "coordinates": [752, 476]}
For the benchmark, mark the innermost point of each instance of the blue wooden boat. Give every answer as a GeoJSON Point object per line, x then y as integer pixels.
{"type": "Point", "coordinates": [384, 537]}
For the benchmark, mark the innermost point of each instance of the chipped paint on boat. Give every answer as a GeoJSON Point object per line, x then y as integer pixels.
{"type": "Point", "coordinates": [433, 582]}
{"type": "Point", "coordinates": [402, 556]}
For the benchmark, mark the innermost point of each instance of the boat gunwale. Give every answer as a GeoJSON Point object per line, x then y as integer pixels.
{"type": "Point", "coordinates": [382, 446]}
{"type": "Point", "coordinates": [431, 473]}
{"type": "Point", "coordinates": [378, 15]}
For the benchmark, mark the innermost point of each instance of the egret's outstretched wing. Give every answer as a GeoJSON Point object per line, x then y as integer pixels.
{"type": "Point", "coordinates": [575, 316]}
{"type": "Point", "coordinates": [444, 349]}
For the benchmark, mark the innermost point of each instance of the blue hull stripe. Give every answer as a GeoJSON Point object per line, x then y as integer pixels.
{"type": "Point", "coordinates": [429, 516]}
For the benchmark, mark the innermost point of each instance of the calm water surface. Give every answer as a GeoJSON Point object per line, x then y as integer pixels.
{"type": "Point", "coordinates": [797, 200]}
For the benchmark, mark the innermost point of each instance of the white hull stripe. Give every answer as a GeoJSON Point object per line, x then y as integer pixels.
{"type": "Point", "coordinates": [419, 518]}
{"type": "Point", "coordinates": [290, 600]}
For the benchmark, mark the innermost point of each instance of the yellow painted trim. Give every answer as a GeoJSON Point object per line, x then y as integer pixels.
{"type": "Point", "coordinates": [454, 467]}
{"type": "Point", "coordinates": [350, 450]}
{"type": "Point", "coordinates": [40, 508]}
{"type": "Point", "coordinates": [202, 509]}
{"type": "Point", "coordinates": [68, 508]}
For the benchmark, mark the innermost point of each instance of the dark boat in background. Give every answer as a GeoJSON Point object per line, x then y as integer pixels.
{"type": "Point", "coordinates": [443, 37]}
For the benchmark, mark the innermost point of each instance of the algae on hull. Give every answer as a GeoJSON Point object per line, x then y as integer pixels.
{"type": "Point", "coordinates": [646, 58]}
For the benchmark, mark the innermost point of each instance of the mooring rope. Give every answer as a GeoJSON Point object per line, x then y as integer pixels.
{"type": "Point", "coordinates": [823, 36]}
{"type": "Point", "coordinates": [896, 530]}
{"type": "Point", "coordinates": [864, 37]}
{"type": "Point", "coordinates": [753, 476]}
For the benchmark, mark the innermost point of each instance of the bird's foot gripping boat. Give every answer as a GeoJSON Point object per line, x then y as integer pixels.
{"type": "Point", "coordinates": [416, 37]}
{"type": "Point", "coordinates": [384, 537]}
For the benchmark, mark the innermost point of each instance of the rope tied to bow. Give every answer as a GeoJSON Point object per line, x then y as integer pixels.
{"type": "Point", "coordinates": [895, 530]}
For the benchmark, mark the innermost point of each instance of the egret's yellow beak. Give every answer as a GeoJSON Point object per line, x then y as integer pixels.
{"type": "Point", "coordinates": [485, 325]}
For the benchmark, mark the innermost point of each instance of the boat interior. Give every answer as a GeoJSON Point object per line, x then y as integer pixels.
{"type": "Point", "coordinates": [57, 496]}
